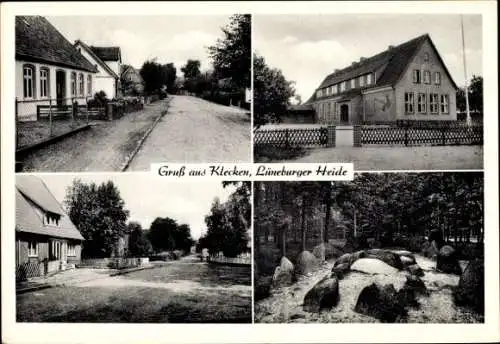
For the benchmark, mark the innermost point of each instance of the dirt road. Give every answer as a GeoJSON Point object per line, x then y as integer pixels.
{"type": "Point", "coordinates": [197, 131]}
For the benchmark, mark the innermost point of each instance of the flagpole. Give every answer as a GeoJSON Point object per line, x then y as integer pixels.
{"type": "Point", "coordinates": [468, 119]}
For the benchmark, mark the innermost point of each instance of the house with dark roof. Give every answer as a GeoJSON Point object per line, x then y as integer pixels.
{"type": "Point", "coordinates": [405, 82]}
{"type": "Point", "coordinates": [46, 239]}
{"type": "Point", "coordinates": [132, 82]}
{"type": "Point", "coordinates": [48, 67]}
{"type": "Point", "coordinates": [107, 61]}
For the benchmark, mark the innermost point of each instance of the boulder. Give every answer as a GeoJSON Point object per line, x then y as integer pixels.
{"type": "Point", "coordinates": [470, 289]}
{"type": "Point", "coordinates": [386, 256]}
{"type": "Point", "coordinates": [283, 275]}
{"type": "Point", "coordinates": [340, 270]}
{"type": "Point", "coordinates": [332, 252]}
{"type": "Point", "coordinates": [373, 266]}
{"type": "Point", "coordinates": [382, 303]}
{"type": "Point", "coordinates": [447, 261]}
{"type": "Point", "coordinates": [320, 252]}
{"type": "Point", "coordinates": [403, 253]}
{"type": "Point", "coordinates": [416, 284]}
{"type": "Point", "coordinates": [324, 295]}
{"type": "Point", "coordinates": [343, 259]}
{"type": "Point", "coordinates": [306, 263]}
{"type": "Point", "coordinates": [407, 261]}
{"type": "Point", "coordinates": [357, 255]}
{"type": "Point", "coordinates": [415, 270]}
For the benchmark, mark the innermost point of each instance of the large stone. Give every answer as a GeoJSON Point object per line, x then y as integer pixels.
{"type": "Point", "coordinates": [407, 261]}
{"type": "Point", "coordinates": [306, 263]}
{"type": "Point", "coordinates": [344, 259]}
{"type": "Point", "coordinates": [283, 275]}
{"type": "Point", "coordinates": [357, 255]}
{"type": "Point", "coordinates": [324, 295]}
{"type": "Point", "coordinates": [447, 261]}
{"type": "Point", "coordinates": [470, 289]}
{"type": "Point", "coordinates": [386, 256]}
{"type": "Point", "coordinates": [332, 252]}
{"type": "Point", "coordinates": [382, 303]}
{"type": "Point", "coordinates": [415, 270]}
{"type": "Point", "coordinates": [320, 252]}
{"type": "Point", "coordinates": [340, 270]}
{"type": "Point", "coordinates": [373, 266]}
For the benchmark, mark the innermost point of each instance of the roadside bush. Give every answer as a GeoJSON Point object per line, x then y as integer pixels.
{"type": "Point", "coordinates": [266, 153]}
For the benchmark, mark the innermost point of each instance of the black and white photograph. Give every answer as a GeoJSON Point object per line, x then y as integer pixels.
{"type": "Point", "coordinates": [118, 93]}
{"type": "Point", "coordinates": [384, 91]}
{"type": "Point", "coordinates": [128, 249]}
{"type": "Point", "coordinates": [385, 247]}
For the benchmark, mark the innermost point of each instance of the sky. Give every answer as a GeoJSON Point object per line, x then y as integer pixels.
{"type": "Point", "coordinates": [148, 197]}
{"type": "Point", "coordinates": [308, 47]}
{"type": "Point", "coordinates": [168, 38]}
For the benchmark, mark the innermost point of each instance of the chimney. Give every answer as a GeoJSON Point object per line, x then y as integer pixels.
{"type": "Point", "coordinates": [336, 70]}
{"type": "Point", "coordinates": [390, 47]}
{"type": "Point", "coordinates": [361, 59]}
{"type": "Point", "coordinates": [354, 63]}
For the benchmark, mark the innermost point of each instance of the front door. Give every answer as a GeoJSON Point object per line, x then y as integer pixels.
{"type": "Point", "coordinates": [344, 113]}
{"type": "Point", "coordinates": [60, 87]}
{"type": "Point", "coordinates": [56, 250]}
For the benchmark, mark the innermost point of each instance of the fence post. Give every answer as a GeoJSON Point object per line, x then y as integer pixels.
{"type": "Point", "coordinates": [443, 134]}
{"type": "Point", "coordinates": [331, 130]}
{"type": "Point", "coordinates": [357, 135]}
{"type": "Point", "coordinates": [50, 117]}
{"type": "Point", "coordinates": [406, 135]}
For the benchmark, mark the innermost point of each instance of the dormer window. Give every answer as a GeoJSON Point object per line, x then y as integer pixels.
{"type": "Point", "coordinates": [368, 79]}
{"type": "Point", "coordinates": [426, 57]}
{"type": "Point", "coordinates": [353, 83]}
{"type": "Point", "coordinates": [51, 219]}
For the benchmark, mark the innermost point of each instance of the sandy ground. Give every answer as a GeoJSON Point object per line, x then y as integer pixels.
{"type": "Point", "coordinates": [104, 147]}
{"type": "Point", "coordinates": [399, 158]}
{"type": "Point", "coordinates": [197, 131]}
{"type": "Point", "coordinates": [179, 291]}
{"type": "Point", "coordinates": [285, 305]}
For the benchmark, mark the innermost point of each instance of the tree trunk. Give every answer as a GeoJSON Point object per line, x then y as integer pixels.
{"type": "Point", "coordinates": [355, 229]}
{"type": "Point", "coordinates": [283, 240]}
{"type": "Point", "coordinates": [328, 216]}
{"type": "Point", "coordinates": [303, 225]}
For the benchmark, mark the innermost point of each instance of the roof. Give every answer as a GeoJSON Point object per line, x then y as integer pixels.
{"type": "Point", "coordinates": [301, 107]}
{"type": "Point", "coordinates": [393, 63]}
{"type": "Point", "coordinates": [37, 40]}
{"type": "Point", "coordinates": [103, 64]}
{"type": "Point", "coordinates": [32, 192]}
{"type": "Point", "coordinates": [129, 69]}
{"type": "Point", "coordinates": [107, 53]}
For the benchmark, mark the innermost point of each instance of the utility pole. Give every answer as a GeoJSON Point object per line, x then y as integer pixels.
{"type": "Point", "coordinates": [468, 119]}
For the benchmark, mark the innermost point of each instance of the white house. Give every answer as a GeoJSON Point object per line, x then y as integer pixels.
{"type": "Point", "coordinates": [48, 67]}
{"type": "Point", "coordinates": [107, 61]}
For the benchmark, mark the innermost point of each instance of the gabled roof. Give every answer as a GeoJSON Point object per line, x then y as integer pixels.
{"type": "Point", "coordinates": [31, 192]}
{"type": "Point", "coordinates": [96, 58]}
{"type": "Point", "coordinates": [393, 63]}
{"type": "Point", "coordinates": [107, 53]}
{"type": "Point", "coordinates": [37, 40]}
{"type": "Point", "coordinates": [129, 69]}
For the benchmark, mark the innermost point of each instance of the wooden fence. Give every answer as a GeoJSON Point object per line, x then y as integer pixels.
{"type": "Point", "coordinates": [423, 135]}
{"type": "Point", "coordinates": [291, 137]}
{"type": "Point", "coordinates": [230, 261]}
{"type": "Point", "coordinates": [29, 270]}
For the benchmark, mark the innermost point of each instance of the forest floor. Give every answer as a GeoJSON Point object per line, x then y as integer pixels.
{"type": "Point", "coordinates": [285, 304]}
{"type": "Point", "coordinates": [394, 158]}
{"type": "Point", "coordinates": [184, 291]}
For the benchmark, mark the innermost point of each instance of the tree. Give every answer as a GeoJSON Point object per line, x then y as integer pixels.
{"type": "Point", "coordinates": [99, 214]}
{"type": "Point", "coordinates": [475, 95]}
{"type": "Point", "coordinates": [231, 54]}
{"type": "Point", "coordinates": [191, 69]}
{"type": "Point", "coordinates": [156, 76]}
{"type": "Point", "coordinates": [162, 234]}
{"type": "Point", "coordinates": [138, 243]}
{"type": "Point", "coordinates": [271, 92]}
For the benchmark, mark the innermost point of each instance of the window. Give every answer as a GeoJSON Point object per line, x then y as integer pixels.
{"type": "Point", "coordinates": [353, 83]}
{"type": "Point", "coordinates": [73, 84]}
{"type": "Point", "coordinates": [32, 249]}
{"type": "Point", "coordinates": [433, 102]}
{"type": "Point", "coordinates": [422, 103]}
{"type": "Point", "coordinates": [409, 103]}
{"type": "Point", "coordinates": [416, 76]}
{"type": "Point", "coordinates": [342, 86]}
{"type": "Point", "coordinates": [335, 89]}
{"type": "Point", "coordinates": [437, 78]}
{"type": "Point", "coordinates": [89, 85]}
{"type": "Point", "coordinates": [71, 250]}
{"type": "Point", "coordinates": [426, 57]}
{"type": "Point", "coordinates": [28, 81]}
{"type": "Point", "coordinates": [81, 85]}
{"type": "Point", "coordinates": [368, 79]}
{"type": "Point", "coordinates": [44, 82]}
{"type": "Point", "coordinates": [427, 77]}
{"type": "Point", "coordinates": [444, 103]}
{"type": "Point", "coordinates": [361, 81]}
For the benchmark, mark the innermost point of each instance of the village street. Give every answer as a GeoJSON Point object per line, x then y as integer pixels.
{"type": "Point", "coordinates": [186, 290]}
{"type": "Point", "coordinates": [191, 130]}
{"type": "Point", "coordinates": [197, 131]}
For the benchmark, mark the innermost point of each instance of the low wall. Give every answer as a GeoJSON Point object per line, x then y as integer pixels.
{"type": "Point", "coordinates": [230, 261]}
{"type": "Point", "coordinates": [113, 263]}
